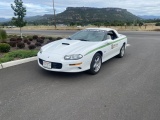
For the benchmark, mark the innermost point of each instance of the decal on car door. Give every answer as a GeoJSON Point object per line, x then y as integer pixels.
{"type": "Point", "coordinates": [114, 45]}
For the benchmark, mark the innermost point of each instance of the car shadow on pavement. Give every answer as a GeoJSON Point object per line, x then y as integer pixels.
{"type": "Point", "coordinates": [64, 77]}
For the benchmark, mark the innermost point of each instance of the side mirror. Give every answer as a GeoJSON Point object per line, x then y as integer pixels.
{"type": "Point", "coordinates": [109, 41]}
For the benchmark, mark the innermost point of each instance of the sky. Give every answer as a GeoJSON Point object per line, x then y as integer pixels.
{"type": "Point", "coordinates": [41, 7]}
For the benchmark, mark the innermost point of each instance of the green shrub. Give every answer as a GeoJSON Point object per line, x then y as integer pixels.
{"type": "Point", "coordinates": [4, 42]}
{"type": "Point", "coordinates": [30, 39]}
{"type": "Point", "coordinates": [3, 35]}
{"type": "Point", "coordinates": [12, 43]}
{"type": "Point", "coordinates": [4, 47]}
{"type": "Point", "coordinates": [58, 38]}
{"type": "Point", "coordinates": [31, 47]}
{"type": "Point", "coordinates": [35, 37]}
{"type": "Point", "coordinates": [158, 24]}
{"type": "Point", "coordinates": [38, 44]}
{"type": "Point", "coordinates": [42, 37]}
{"type": "Point", "coordinates": [20, 45]}
{"type": "Point", "coordinates": [28, 43]}
{"type": "Point", "coordinates": [50, 38]}
{"type": "Point", "coordinates": [25, 40]}
{"type": "Point", "coordinates": [13, 39]}
{"type": "Point", "coordinates": [19, 40]}
{"type": "Point", "coordinates": [40, 40]}
{"type": "Point", "coordinates": [10, 36]}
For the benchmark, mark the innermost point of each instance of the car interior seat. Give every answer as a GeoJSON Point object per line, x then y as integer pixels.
{"type": "Point", "coordinates": [109, 37]}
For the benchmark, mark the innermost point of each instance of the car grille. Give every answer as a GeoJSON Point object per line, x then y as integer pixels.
{"type": "Point", "coordinates": [54, 65]}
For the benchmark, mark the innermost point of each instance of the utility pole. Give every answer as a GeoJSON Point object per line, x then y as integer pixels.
{"type": "Point", "coordinates": [54, 10]}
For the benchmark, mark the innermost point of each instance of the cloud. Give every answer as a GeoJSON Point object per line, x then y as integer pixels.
{"type": "Point", "coordinates": [37, 9]}
{"type": "Point", "coordinates": [5, 9]}
{"type": "Point", "coordinates": [40, 7]}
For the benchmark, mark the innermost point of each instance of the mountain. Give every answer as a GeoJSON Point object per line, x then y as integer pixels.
{"type": "Point", "coordinates": [4, 20]}
{"type": "Point", "coordinates": [33, 18]}
{"type": "Point", "coordinates": [149, 17]}
{"type": "Point", "coordinates": [86, 15]}
{"type": "Point", "coordinates": [28, 18]}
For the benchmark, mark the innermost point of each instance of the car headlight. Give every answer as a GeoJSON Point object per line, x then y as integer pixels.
{"type": "Point", "coordinates": [73, 57]}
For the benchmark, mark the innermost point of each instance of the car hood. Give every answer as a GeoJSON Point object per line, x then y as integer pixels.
{"type": "Point", "coordinates": [67, 47]}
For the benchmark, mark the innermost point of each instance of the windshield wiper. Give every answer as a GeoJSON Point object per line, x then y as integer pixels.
{"type": "Point", "coordinates": [83, 40]}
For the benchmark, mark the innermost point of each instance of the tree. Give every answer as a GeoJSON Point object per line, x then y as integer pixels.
{"type": "Point", "coordinates": [157, 24]}
{"type": "Point", "coordinates": [145, 26]}
{"type": "Point", "coordinates": [140, 24]}
{"type": "Point", "coordinates": [106, 24]}
{"type": "Point", "coordinates": [98, 24]}
{"type": "Point", "coordinates": [129, 23]}
{"type": "Point", "coordinates": [20, 13]}
{"type": "Point", "coordinates": [72, 24]}
{"type": "Point", "coordinates": [3, 35]}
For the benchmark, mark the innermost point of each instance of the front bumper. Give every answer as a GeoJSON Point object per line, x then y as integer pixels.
{"type": "Point", "coordinates": [61, 65]}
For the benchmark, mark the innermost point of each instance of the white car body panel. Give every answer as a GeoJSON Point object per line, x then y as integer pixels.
{"type": "Point", "coordinates": [55, 52]}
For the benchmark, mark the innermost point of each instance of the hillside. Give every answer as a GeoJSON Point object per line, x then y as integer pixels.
{"type": "Point", "coordinates": [4, 20]}
{"type": "Point", "coordinates": [86, 14]}
{"type": "Point", "coordinates": [147, 17]}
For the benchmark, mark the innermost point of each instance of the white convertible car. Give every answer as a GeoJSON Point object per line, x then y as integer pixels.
{"type": "Point", "coordinates": [84, 50]}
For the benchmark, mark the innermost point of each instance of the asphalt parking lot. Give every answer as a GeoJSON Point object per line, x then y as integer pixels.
{"type": "Point", "coordinates": [125, 89]}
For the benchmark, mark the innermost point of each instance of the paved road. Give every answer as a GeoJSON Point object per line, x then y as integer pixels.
{"type": "Point", "coordinates": [125, 89]}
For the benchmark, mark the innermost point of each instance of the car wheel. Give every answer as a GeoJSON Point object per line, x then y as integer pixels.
{"type": "Point", "coordinates": [95, 64]}
{"type": "Point", "coordinates": [122, 52]}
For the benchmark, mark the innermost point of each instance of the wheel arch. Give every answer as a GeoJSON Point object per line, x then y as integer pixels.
{"type": "Point", "coordinates": [100, 52]}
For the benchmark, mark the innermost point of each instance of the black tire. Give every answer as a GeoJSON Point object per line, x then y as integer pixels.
{"type": "Point", "coordinates": [122, 51]}
{"type": "Point", "coordinates": [95, 67]}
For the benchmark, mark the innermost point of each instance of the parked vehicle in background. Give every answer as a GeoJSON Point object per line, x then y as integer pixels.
{"type": "Point", "coordinates": [11, 26]}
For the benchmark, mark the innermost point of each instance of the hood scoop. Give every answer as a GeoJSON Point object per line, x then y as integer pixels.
{"type": "Point", "coordinates": [65, 44]}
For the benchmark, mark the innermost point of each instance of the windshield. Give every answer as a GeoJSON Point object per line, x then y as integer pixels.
{"type": "Point", "coordinates": [89, 35]}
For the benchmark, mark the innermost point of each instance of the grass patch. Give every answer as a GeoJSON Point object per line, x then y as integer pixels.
{"type": "Point", "coordinates": [18, 54]}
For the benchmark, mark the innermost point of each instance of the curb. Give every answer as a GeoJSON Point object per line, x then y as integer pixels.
{"type": "Point", "coordinates": [17, 62]}
{"type": "Point", "coordinates": [1, 66]}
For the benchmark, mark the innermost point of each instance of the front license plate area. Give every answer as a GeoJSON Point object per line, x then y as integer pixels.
{"type": "Point", "coordinates": [47, 64]}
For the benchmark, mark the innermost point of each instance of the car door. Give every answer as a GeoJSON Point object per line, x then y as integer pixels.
{"type": "Point", "coordinates": [114, 44]}
{"type": "Point", "coordinates": [107, 49]}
